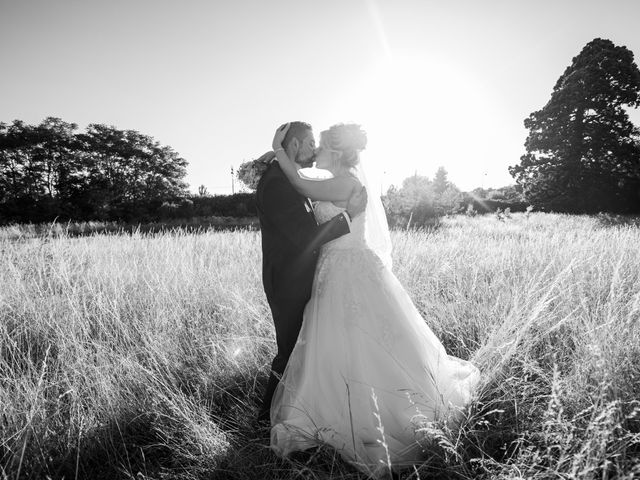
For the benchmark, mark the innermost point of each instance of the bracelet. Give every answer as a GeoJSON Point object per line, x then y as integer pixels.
{"type": "Point", "coordinates": [278, 150]}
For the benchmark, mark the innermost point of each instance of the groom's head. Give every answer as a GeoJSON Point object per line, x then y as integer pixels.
{"type": "Point", "coordinates": [300, 144]}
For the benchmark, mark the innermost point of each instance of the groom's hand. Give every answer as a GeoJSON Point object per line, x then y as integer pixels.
{"type": "Point", "coordinates": [357, 203]}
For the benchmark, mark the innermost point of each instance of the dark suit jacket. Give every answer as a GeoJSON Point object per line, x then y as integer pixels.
{"type": "Point", "coordinates": [291, 238]}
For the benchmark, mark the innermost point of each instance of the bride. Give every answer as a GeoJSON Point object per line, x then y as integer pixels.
{"type": "Point", "coordinates": [366, 368]}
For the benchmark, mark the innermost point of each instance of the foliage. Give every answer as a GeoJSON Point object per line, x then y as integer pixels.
{"type": "Point", "coordinates": [440, 181]}
{"type": "Point", "coordinates": [237, 205]}
{"type": "Point", "coordinates": [508, 193]}
{"type": "Point", "coordinates": [145, 356]}
{"type": "Point", "coordinates": [420, 200]}
{"type": "Point", "coordinates": [52, 171]}
{"type": "Point", "coordinates": [488, 200]}
{"type": "Point", "coordinates": [414, 199]}
{"type": "Point", "coordinates": [39, 167]}
{"type": "Point", "coordinates": [583, 152]}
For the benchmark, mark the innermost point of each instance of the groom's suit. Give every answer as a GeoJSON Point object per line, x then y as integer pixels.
{"type": "Point", "coordinates": [291, 238]}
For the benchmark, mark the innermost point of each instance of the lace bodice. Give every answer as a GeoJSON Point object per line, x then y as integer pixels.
{"type": "Point", "coordinates": [325, 211]}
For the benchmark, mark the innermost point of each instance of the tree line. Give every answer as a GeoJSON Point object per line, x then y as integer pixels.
{"type": "Point", "coordinates": [420, 200]}
{"type": "Point", "coordinates": [53, 170]}
{"type": "Point", "coordinates": [582, 150]}
{"type": "Point", "coordinates": [582, 156]}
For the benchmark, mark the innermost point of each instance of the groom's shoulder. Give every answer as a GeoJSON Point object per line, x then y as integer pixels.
{"type": "Point", "coordinates": [273, 175]}
{"type": "Point", "coordinates": [267, 182]}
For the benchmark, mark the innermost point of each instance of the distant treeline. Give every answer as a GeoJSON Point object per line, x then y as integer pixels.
{"type": "Point", "coordinates": [239, 205]}
{"type": "Point", "coordinates": [582, 156]}
{"type": "Point", "coordinates": [52, 170]}
{"type": "Point", "coordinates": [420, 200]}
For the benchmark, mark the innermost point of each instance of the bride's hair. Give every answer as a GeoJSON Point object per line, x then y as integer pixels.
{"type": "Point", "coordinates": [348, 139]}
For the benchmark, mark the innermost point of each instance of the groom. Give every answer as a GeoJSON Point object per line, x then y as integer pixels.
{"type": "Point", "coordinates": [291, 238]}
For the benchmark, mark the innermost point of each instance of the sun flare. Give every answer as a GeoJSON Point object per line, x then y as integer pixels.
{"type": "Point", "coordinates": [421, 113]}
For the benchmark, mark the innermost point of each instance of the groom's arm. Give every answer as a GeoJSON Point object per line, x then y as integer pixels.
{"type": "Point", "coordinates": [282, 204]}
{"type": "Point", "coordinates": [325, 232]}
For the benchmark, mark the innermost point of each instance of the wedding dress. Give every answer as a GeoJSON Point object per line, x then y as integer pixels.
{"type": "Point", "coordinates": [366, 369]}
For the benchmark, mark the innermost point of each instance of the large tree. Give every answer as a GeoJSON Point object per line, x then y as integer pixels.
{"type": "Point", "coordinates": [49, 170]}
{"type": "Point", "coordinates": [583, 152]}
{"type": "Point", "coordinates": [14, 174]}
{"type": "Point", "coordinates": [38, 167]}
{"type": "Point", "coordinates": [129, 172]}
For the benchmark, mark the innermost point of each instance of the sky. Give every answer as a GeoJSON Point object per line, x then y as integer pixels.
{"type": "Point", "coordinates": [433, 83]}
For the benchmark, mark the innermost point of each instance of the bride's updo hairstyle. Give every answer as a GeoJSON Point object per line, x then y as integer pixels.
{"type": "Point", "coordinates": [347, 139]}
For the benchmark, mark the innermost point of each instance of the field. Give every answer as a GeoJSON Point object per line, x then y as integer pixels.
{"type": "Point", "coordinates": [144, 355]}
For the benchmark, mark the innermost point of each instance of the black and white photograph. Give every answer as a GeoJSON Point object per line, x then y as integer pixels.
{"type": "Point", "coordinates": [315, 240]}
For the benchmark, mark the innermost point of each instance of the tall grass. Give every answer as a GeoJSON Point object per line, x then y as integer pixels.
{"type": "Point", "coordinates": [144, 356]}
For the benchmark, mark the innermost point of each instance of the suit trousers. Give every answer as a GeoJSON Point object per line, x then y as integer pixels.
{"type": "Point", "coordinates": [287, 317]}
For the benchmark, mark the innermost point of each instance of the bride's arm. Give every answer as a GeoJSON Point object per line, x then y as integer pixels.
{"type": "Point", "coordinates": [332, 190]}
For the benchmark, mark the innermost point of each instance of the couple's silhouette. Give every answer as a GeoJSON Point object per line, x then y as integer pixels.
{"type": "Point", "coordinates": [357, 366]}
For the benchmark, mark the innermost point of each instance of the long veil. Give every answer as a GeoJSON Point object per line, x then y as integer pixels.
{"type": "Point", "coordinates": [376, 228]}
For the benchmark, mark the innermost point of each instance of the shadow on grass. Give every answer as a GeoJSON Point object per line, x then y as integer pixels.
{"type": "Point", "coordinates": [249, 456]}
{"type": "Point", "coordinates": [209, 430]}
{"type": "Point", "coordinates": [153, 441]}
{"type": "Point", "coordinates": [184, 433]}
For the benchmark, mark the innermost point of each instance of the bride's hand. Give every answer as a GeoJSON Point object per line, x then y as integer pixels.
{"type": "Point", "coordinates": [279, 136]}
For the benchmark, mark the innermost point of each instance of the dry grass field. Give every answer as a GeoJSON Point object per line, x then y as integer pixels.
{"type": "Point", "coordinates": [144, 355]}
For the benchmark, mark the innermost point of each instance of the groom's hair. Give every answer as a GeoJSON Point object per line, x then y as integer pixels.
{"type": "Point", "coordinates": [296, 130]}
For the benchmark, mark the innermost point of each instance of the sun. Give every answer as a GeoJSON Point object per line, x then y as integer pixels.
{"type": "Point", "coordinates": [422, 112]}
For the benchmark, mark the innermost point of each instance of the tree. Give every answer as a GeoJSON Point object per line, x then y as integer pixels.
{"type": "Point", "coordinates": [49, 171]}
{"type": "Point", "coordinates": [129, 173]}
{"type": "Point", "coordinates": [509, 193]}
{"type": "Point", "coordinates": [485, 200]}
{"type": "Point", "coordinates": [447, 197]}
{"type": "Point", "coordinates": [53, 149]}
{"type": "Point", "coordinates": [583, 153]}
{"type": "Point", "coordinates": [440, 182]}
{"type": "Point", "coordinates": [449, 201]}
{"type": "Point", "coordinates": [411, 204]}
{"type": "Point", "coordinates": [13, 162]}
{"type": "Point", "coordinates": [38, 167]}
{"type": "Point", "coordinates": [420, 200]}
